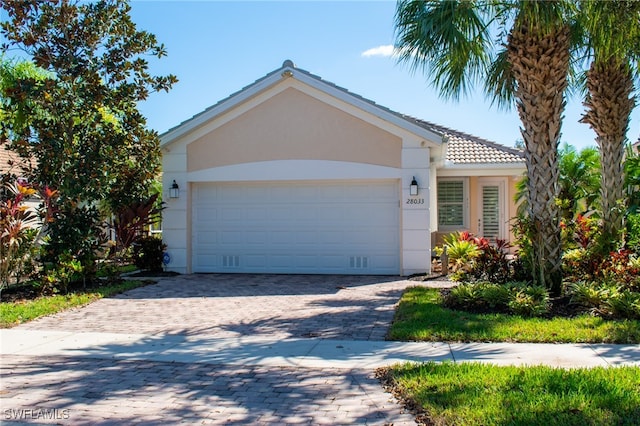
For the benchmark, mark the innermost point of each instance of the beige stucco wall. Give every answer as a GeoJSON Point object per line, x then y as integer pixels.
{"type": "Point", "coordinates": [292, 125]}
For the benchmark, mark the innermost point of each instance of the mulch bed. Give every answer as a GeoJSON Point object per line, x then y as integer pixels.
{"type": "Point", "coordinates": [23, 292]}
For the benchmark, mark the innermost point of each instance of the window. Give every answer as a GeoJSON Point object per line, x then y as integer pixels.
{"type": "Point", "coordinates": [452, 213]}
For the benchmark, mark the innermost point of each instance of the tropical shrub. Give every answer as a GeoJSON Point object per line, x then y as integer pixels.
{"type": "Point", "coordinates": [633, 232]}
{"type": "Point", "coordinates": [623, 267]}
{"type": "Point", "coordinates": [463, 296]}
{"type": "Point", "coordinates": [580, 232]}
{"type": "Point", "coordinates": [22, 229]}
{"type": "Point", "coordinates": [476, 258]}
{"type": "Point", "coordinates": [590, 295]}
{"type": "Point", "coordinates": [493, 263]}
{"type": "Point", "coordinates": [80, 235]}
{"type": "Point", "coordinates": [25, 262]}
{"type": "Point", "coordinates": [531, 301]}
{"type": "Point", "coordinates": [15, 220]}
{"type": "Point", "coordinates": [624, 304]}
{"type": "Point", "coordinates": [586, 258]}
{"type": "Point", "coordinates": [132, 219]}
{"type": "Point", "coordinates": [148, 252]}
{"type": "Point", "coordinates": [57, 277]}
{"type": "Point", "coordinates": [495, 296]}
{"type": "Point", "coordinates": [632, 180]}
{"type": "Point", "coordinates": [461, 252]}
{"type": "Point", "coordinates": [607, 299]}
{"type": "Point", "coordinates": [515, 297]}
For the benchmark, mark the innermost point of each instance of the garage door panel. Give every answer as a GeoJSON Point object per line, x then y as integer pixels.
{"type": "Point", "coordinates": [207, 240]}
{"type": "Point", "coordinates": [330, 238]}
{"type": "Point", "coordinates": [292, 227]}
{"type": "Point", "coordinates": [230, 214]}
{"type": "Point", "coordinates": [256, 261]}
{"type": "Point", "coordinates": [231, 238]}
{"type": "Point", "coordinates": [256, 237]}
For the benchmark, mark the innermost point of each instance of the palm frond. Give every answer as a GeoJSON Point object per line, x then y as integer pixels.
{"type": "Point", "coordinates": [449, 41]}
{"type": "Point", "coordinates": [500, 84]}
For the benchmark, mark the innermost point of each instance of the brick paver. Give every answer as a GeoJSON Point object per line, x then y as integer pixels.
{"type": "Point", "coordinates": [95, 391]}
{"type": "Point", "coordinates": [78, 390]}
{"type": "Point", "coordinates": [331, 307]}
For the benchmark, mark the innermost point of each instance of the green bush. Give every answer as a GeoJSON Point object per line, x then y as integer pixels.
{"type": "Point", "coordinates": [77, 232]}
{"type": "Point", "coordinates": [530, 302]}
{"type": "Point", "coordinates": [148, 252]}
{"type": "Point", "coordinates": [589, 294]}
{"type": "Point", "coordinates": [57, 278]}
{"type": "Point", "coordinates": [463, 296]}
{"type": "Point", "coordinates": [633, 232]}
{"type": "Point", "coordinates": [517, 298]}
{"type": "Point", "coordinates": [624, 304]}
{"type": "Point", "coordinates": [495, 296]}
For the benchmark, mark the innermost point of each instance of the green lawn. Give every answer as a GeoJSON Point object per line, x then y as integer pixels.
{"type": "Point", "coordinates": [421, 317]}
{"type": "Point", "coordinates": [480, 394]}
{"type": "Point", "coordinates": [15, 313]}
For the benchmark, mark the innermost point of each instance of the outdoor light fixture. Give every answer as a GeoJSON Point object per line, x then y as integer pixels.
{"type": "Point", "coordinates": [413, 188]}
{"type": "Point", "coordinates": [174, 191]}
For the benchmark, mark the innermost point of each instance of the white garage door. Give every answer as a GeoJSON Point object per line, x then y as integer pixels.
{"type": "Point", "coordinates": [324, 227]}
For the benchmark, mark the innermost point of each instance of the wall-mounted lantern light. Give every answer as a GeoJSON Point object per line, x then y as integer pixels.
{"type": "Point", "coordinates": [174, 191]}
{"type": "Point", "coordinates": [413, 188]}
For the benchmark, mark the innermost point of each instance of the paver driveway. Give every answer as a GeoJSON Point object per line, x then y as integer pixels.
{"type": "Point", "coordinates": [285, 306]}
{"type": "Point", "coordinates": [103, 390]}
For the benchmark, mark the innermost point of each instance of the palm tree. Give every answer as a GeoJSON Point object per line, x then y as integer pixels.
{"type": "Point", "coordinates": [612, 35]}
{"type": "Point", "coordinates": [452, 42]}
{"type": "Point", "coordinates": [579, 181]}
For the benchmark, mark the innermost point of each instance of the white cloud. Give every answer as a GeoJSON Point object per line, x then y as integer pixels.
{"type": "Point", "coordinates": [386, 50]}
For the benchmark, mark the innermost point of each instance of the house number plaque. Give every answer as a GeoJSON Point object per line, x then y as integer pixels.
{"type": "Point", "coordinates": [415, 201]}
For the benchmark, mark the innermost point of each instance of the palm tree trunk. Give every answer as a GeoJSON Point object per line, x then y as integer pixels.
{"type": "Point", "coordinates": [609, 104]}
{"type": "Point", "coordinates": [540, 62]}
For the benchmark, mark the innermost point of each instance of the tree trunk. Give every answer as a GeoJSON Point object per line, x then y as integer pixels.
{"type": "Point", "coordinates": [609, 104]}
{"type": "Point", "coordinates": [540, 63]}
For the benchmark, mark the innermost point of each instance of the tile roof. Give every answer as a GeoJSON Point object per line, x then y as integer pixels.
{"type": "Point", "coordinates": [463, 148]}
{"type": "Point", "coordinates": [10, 162]}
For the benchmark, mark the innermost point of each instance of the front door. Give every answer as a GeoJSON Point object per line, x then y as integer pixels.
{"type": "Point", "coordinates": [492, 217]}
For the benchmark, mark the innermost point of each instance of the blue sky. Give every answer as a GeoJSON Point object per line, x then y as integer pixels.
{"type": "Point", "coordinates": [216, 48]}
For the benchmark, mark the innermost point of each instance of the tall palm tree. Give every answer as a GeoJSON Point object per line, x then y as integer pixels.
{"type": "Point", "coordinates": [452, 42]}
{"type": "Point", "coordinates": [612, 37]}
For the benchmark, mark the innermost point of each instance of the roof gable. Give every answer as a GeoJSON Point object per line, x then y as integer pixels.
{"type": "Point", "coordinates": [290, 124]}
{"type": "Point", "coordinates": [289, 70]}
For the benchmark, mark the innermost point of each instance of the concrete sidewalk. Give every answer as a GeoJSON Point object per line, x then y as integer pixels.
{"type": "Point", "coordinates": [236, 349]}
{"type": "Point", "coordinates": [303, 353]}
